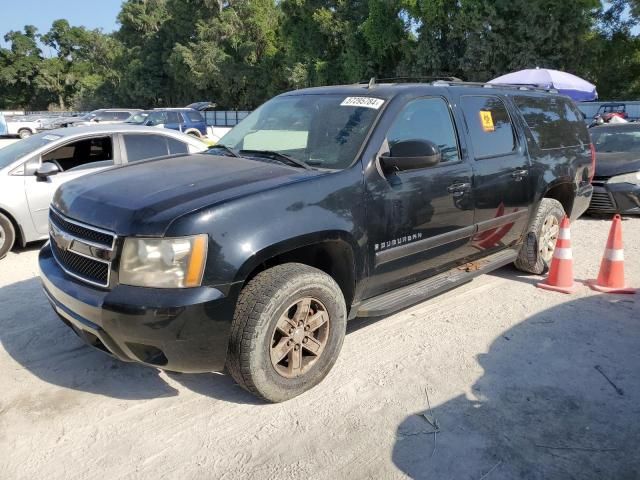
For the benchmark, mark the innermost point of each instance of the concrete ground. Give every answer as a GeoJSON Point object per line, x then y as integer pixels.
{"type": "Point", "coordinates": [523, 383]}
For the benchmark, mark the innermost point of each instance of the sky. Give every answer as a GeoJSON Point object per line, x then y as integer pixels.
{"type": "Point", "coordinates": [15, 14]}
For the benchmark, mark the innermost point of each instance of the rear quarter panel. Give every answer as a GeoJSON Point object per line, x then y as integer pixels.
{"type": "Point", "coordinates": [566, 166]}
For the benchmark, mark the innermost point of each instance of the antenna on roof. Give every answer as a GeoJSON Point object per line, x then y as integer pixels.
{"type": "Point", "coordinates": [372, 83]}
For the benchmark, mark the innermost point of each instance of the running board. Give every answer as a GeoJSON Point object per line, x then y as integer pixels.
{"type": "Point", "coordinates": [404, 297]}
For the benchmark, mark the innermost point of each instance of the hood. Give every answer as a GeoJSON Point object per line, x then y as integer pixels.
{"type": "Point", "coordinates": [609, 164]}
{"type": "Point", "coordinates": [145, 198]}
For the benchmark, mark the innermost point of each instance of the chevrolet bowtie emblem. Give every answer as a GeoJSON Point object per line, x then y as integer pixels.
{"type": "Point", "coordinates": [63, 241]}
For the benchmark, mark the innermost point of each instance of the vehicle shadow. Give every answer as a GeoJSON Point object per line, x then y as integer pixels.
{"type": "Point", "coordinates": [29, 247]}
{"type": "Point", "coordinates": [33, 335]}
{"type": "Point", "coordinates": [558, 400]}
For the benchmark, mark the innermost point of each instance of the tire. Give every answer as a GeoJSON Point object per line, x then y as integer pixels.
{"type": "Point", "coordinates": [24, 133]}
{"type": "Point", "coordinates": [7, 235]}
{"type": "Point", "coordinates": [194, 133]}
{"type": "Point", "coordinates": [262, 305]}
{"type": "Point", "coordinates": [531, 258]}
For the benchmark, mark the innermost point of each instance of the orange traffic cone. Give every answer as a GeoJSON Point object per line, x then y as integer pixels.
{"type": "Point", "coordinates": [611, 276]}
{"type": "Point", "coordinates": [560, 277]}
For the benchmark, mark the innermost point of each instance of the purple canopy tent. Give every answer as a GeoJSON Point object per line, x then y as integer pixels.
{"type": "Point", "coordinates": [575, 87]}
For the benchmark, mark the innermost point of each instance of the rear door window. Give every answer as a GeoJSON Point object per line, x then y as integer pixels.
{"type": "Point", "coordinates": [489, 124]}
{"type": "Point", "coordinates": [173, 117]}
{"type": "Point", "coordinates": [140, 147]}
{"type": "Point", "coordinates": [176, 146]}
{"type": "Point", "coordinates": [195, 116]}
{"type": "Point", "coordinates": [121, 115]}
{"type": "Point", "coordinates": [553, 121]}
{"type": "Point", "coordinates": [107, 116]}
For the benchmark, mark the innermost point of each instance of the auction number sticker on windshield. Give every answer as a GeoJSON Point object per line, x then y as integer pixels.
{"type": "Point", "coordinates": [487, 121]}
{"type": "Point", "coordinates": [51, 137]}
{"type": "Point", "coordinates": [366, 102]}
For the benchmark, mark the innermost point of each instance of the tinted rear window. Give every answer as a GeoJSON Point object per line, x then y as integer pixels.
{"type": "Point", "coordinates": [195, 116]}
{"type": "Point", "coordinates": [553, 121]}
{"type": "Point", "coordinates": [489, 126]}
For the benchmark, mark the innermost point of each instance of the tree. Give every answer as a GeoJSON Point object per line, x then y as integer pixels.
{"type": "Point", "coordinates": [19, 68]}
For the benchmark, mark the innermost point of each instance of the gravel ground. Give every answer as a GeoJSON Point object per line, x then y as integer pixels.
{"type": "Point", "coordinates": [510, 372]}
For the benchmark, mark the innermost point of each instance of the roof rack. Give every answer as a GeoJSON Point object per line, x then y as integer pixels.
{"type": "Point", "coordinates": [454, 81]}
{"type": "Point", "coordinates": [420, 79]}
{"type": "Point", "coordinates": [514, 86]}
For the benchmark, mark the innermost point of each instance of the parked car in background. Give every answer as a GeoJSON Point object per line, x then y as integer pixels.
{"type": "Point", "coordinates": [103, 116]}
{"type": "Point", "coordinates": [58, 121]}
{"type": "Point", "coordinates": [32, 169]}
{"type": "Point", "coordinates": [3, 125]}
{"type": "Point", "coordinates": [616, 184]}
{"type": "Point", "coordinates": [186, 120]}
{"type": "Point", "coordinates": [610, 110]}
{"type": "Point", "coordinates": [22, 127]}
{"type": "Point", "coordinates": [322, 205]}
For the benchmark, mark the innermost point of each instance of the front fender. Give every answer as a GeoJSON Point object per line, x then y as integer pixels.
{"type": "Point", "coordinates": [291, 244]}
{"type": "Point", "coordinates": [247, 231]}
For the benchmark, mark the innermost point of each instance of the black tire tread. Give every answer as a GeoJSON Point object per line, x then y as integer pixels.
{"type": "Point", "coordinates": [252, 301]}
{"type": "Point", "coordinates": [527, 260]}
{"type": "Point", "coordinates": [10, 233]}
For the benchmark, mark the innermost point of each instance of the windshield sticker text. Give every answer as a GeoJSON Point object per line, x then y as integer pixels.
{"type": "Point", "coordinates": [366, 102]}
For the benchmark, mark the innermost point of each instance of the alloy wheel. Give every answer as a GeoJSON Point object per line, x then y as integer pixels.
{"type": "Point", "coordinates": [299, 337]}
{"type": "Point", "coordinates": [548, 237]}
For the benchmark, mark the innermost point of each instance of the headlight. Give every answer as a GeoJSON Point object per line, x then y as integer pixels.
{"type": "Point", "coordinates": [633, 178]}
{"type": "Point", "coordinates": [163, 262]}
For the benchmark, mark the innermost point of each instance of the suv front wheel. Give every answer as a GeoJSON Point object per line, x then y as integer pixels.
{"type": "Point", "coordinates": [287, 331]}
{"type": "Point", "coordinates": [539, 245]}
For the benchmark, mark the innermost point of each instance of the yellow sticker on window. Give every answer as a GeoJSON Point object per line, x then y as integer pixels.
{"type": "Point", "coordinates": [487, 121]}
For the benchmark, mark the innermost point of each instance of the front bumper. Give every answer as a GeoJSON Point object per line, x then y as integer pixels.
{"type": "Point", "coordinates": [184, 330]}
{"type": "Point", "coordinates": [615, 198]}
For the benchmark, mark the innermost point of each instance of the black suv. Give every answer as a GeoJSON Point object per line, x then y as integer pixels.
{"type": "Point", "coordinates": [323, 205]}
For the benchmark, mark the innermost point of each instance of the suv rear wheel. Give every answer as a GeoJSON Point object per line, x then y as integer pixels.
{"type": "Point", "coordinates": [7, 235]}
{"type": "Point", "coordinates": [537, 250]}
{"type": "Point", "coordinates": [287, 331]}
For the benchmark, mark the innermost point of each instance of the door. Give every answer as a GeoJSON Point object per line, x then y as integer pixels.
{"type": "Point", "coordinates": [174, 121]}
{"type": "Point", "coordinates": [73, 159]}
{"type": "Point", "coordinates": [502, 190]}
{"type": "Point", "coordinates": [419, 221]}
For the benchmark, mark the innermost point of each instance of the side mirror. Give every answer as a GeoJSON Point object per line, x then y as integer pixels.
{"type": "Point", "coordinates": [46, 170]}
{"type": "Point", "coordinates": [411, 155]}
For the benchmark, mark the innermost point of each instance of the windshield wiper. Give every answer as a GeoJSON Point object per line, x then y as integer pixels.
{"type": "Point", "coordinates": [279, 156]}
{"type": "Point", "coordinates": [226, 149]}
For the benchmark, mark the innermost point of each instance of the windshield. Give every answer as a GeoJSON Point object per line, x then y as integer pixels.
{"type": "Point", "coordinates": [614, 141]}
{"type": "Point", "coordinates": [138, 118]}
{"type": "Point", "coordinates": [13, 152]}
{"type": "Point", "coordinates": [324, 131]}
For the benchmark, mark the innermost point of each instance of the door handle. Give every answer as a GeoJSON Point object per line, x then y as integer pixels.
{"type": "Point", "coordinates": [519, 174]}
{"type": "Point", "coordinates": [459, 189]}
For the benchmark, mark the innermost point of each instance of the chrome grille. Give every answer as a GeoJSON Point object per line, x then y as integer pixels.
{"type": "Point", "coordinates": [88, 234]}
{"type": "Point", "coordinates": [83, 268]}
{"type": "Point", "coordinates": [84, 252]}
